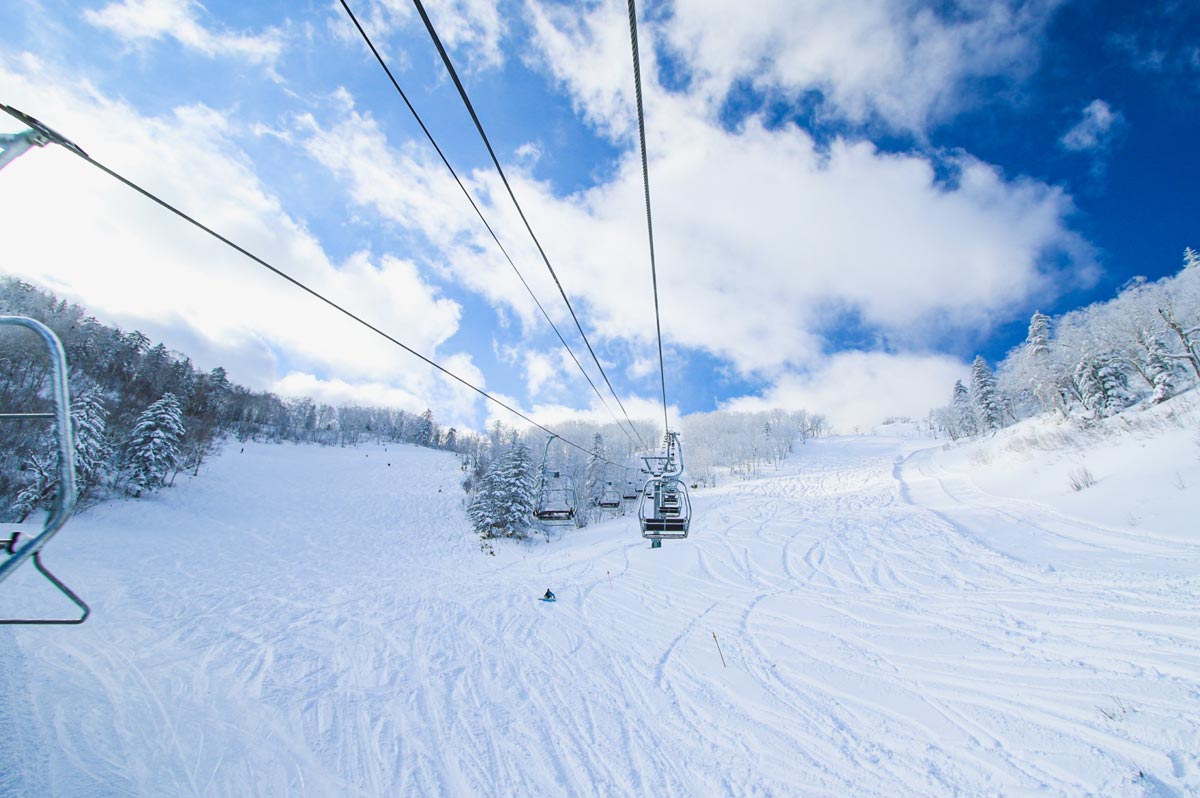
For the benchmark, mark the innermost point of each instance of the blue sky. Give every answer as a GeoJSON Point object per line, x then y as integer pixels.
{"type": "Point", "coordinates": [851, 200]}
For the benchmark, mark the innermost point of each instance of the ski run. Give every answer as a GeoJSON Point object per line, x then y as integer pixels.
{"type": "Point", "coordinates": [883, 616]}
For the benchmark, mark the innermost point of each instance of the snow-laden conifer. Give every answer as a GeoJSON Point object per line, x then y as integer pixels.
{"type": "Point", "coordinates": [153, 448]}
{"type": "Point", "coordinates": [985, 396]}
{"type": "Point", "coordinates": [504, 503]}
{"type": "Point", "coordinates": [424, 432]}
{"type": "Point", "coordinates": [962, 413]}
{"type": "Point", "coordinates": [594, 480]}
{"type": "Point", "coordinates": [92, 454]}
{"type": "Point", "coordinates": [1160, 368]}
{"type": "Point", "coordinates": [92, 449]}
{"type": "Point", "coordinates": [42, 468]}
{"type": "Point", "coordinates": [1037, 341]}
{"type": "Point", "coordinates": [1104, 385]}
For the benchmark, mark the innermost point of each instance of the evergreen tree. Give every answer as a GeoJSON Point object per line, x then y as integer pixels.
{"type": "Point", "coordinates": [496, 437]}
{"type": "Point", "coordinates": [451, 440]}
{"type": "Point", "coordinates": [985, 396]}
{"type": "Point", "coordinates": [43, 481]}
{"type": "Point", "coordinates": [1037, 342]}
{"type": "Point", "coordinates": [504, 504]}
{"type": "Point", "coordinates": [424, 430]}
{"type": "Point", "coordinates": [594, 476]}
{"type": "Point", "coordinates": [92, 451]}
{"type": "Point", "coordinates": [1104, 385]}
{"type": "Point", "coordinates": [962, 413]}
{"type": "Point", "coordinates": [153, 448]}
{"type": "Point", "coordinates": [91, 457]}
{"type": "Point", "coordinates": [1038, 370]}
{"type": "Point", "coordinates": [1161, 369]}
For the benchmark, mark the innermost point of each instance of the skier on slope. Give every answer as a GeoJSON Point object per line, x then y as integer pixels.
{"type": "Point", "coordinates": [549, 596]}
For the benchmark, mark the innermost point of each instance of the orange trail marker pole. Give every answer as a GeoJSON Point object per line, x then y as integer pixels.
{"type": "Point", "coordinates": [723, 665]}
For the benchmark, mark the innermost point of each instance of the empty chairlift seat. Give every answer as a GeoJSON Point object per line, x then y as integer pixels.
{"type": "Point", "coordinates": [665, 511]}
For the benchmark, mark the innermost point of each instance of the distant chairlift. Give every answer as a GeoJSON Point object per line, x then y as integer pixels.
{"type": "Point", "coordinates": [19, 550]}
{"type": "Point", "coordinates": [610, 497]}
{"type": "Point", "coordinates": [556, 492]}
{"type": "Point", "coordinates": [630, 490]}
{"type": "Point", "coordinates": [665, 510]}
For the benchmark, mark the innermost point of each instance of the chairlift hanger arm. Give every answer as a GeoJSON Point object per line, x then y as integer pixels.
{"type": "Point", "coordinates": [44, 134]}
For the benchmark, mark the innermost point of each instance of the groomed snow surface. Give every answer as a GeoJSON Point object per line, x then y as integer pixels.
{"type": "Point", "coordinates": [896, 619]}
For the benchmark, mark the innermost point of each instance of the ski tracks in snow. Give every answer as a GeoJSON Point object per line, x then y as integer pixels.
{"type": "Point", "coordinates": [309, 622]}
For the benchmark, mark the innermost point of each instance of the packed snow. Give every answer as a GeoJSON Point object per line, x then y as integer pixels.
{"type": "Point", "coordinates": [882, 616]}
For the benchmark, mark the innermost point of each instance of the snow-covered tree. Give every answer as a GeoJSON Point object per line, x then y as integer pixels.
{"type": "Point", "coordinates": [423, 432]}
{"type": "Point", "coordinates": [504, 503]}
{"type": "Point", "coordinates": [1039, 368]}
{"type": "Point", "coordinates": [594, 480]}
{"type": "Point", "coordinates": [985, 397]}
{"type": "Point", "coordinates": [963, 423]}
{"type": "Point", "coordinates": [42, 468]}
{"type": "Point", "coordinates": [1161, 369]}
{"type": "Point", "coordinates": [1104, 384]}
{"type": "Point", "coordinates": [1037, 341]}
{"type": "Point", "coordinates": [153, 447]}
{"type": "Point", "coordinates": [91, 457]}
{"type": "Point", "coordinates": [92, 450]}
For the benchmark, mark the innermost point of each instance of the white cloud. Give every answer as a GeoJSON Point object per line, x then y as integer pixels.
{"type": "Point", "coordinates": [139, 21]}
{"type": "Point", "coordinates": [528, 154]}
{"type": "Point", "coordinates": [132, 263]}
{"type": "Point", "coordinates": [410, 187]}
{"type": "Point", "coordinates": [473, 27]}
{"type": "Point", "coordinates": [1094, 131]}
{"type": "Point", "coordinates": [589, 53]}
{"type": "Point", "coordinates": [858, 390]}
{"type": "Point", "coordinates": [639, 409]}
{"type": "Point", "coordinates": [453, 404]}
{"type": "Point", "coordinates": [640, 367]}
{"type": "Point", "coordinates": [339, 392]}
{"type": "Point", "coordinates": [903, 62]}
{"type": "Point", "coordinates": [765, 243]}
{"type": "Point", "coordinates": [542, 372]}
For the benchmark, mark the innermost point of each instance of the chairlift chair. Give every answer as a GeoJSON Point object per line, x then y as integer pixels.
{"type": "Point", "coordinates": [556, 493]}
{"type": "Point", "coordinates": [19, 550]}
{"type": "Point", "coordinates": [610, 497]}
{"type": "Point", "coordinates": [665, 511]}
{"type": "Point", "coordinates": [664, 519]}
{"type": "Point", "coordinates": [630, 490]}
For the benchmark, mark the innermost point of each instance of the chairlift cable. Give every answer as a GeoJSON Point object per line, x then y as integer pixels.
{"type": "Point", "coordinates": [641, 115]}
{"type": "Point", "coordinates": [58, 139]}
{"type": "Point", "coordinates": [462, 92]}
{"type": "Point", "coordinates": [379, 57]}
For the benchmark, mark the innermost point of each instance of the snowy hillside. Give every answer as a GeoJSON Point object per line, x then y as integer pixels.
{"type": "Point", "coordinates": [894, 620]}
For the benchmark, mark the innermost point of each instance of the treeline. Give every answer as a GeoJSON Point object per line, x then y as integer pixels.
{"type": "Point", "coordinates": [506, 467]}
{"type": "Point", "coordinates": [742, 444]}
{"type": "Point", "coordinates": [143, 413]}
{"type": "Point", "coordinates": [1141, 346]}
{"type": "Point", "coordinates": [607, 455]}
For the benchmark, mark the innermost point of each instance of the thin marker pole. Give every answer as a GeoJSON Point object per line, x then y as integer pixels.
{"type": "Point", "coordinates": [723, 665]}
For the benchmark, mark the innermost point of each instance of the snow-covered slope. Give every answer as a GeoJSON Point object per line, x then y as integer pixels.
{"type": "Point", "coordinates": [1145, 464]}
{"type": "Point", "coordinates": [316, 622]}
